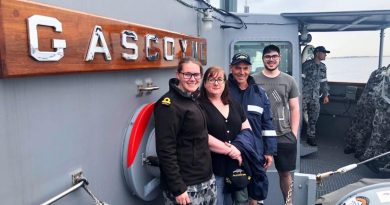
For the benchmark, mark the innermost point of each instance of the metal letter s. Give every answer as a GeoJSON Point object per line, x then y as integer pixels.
{"type": "Point", "coordinates": [129, 34]}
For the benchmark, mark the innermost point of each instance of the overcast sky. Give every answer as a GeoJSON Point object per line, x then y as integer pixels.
{"type": "Point", "coordinates": [340, 43]}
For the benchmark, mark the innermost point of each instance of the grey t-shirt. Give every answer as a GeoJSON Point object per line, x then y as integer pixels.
{"type": "Point", "coordinates": [279, 90]}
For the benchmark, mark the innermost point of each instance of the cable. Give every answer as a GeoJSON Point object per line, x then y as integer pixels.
{"type": "Point", "coordinates": [347, 168]}
{"type": "Point", "coordinates": [367, 160]}
{"type": "Point", "coordinates": [220, 11]}
{"type": "Point", "coordinates": [226, 13]}
{"type": "Point", "coordinates": [187, 5]}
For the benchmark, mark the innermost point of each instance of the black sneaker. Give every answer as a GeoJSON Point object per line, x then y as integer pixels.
{"type": "Point", "coordinates": [311, 141]}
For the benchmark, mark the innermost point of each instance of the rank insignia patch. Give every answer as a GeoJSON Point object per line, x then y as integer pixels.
{"type": "Point", "coordinates": [166, 101]}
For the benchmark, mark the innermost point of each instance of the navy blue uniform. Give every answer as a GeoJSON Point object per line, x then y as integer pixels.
{"type": "Point", "coordinates": [258, 111]}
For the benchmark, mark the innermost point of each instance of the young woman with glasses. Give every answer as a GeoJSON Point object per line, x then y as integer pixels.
{"type": "Point", "coordinates": [182, 140]}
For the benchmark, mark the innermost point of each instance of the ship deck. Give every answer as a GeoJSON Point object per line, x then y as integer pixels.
{"type": "Point", "coordinates": [330, 157]}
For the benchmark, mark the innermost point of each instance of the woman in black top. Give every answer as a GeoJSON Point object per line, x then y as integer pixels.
{"type": "Point", "coordinates": [225, 119]}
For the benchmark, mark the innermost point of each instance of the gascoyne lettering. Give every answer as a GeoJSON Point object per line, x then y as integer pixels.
{"type": "Point", "coordinates": [98, 43]}
{"type": "Point", "coordinates": [51, 40]}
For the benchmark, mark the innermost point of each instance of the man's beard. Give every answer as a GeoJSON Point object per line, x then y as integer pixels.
{"type": "Point", "coordinates": [271, 69]}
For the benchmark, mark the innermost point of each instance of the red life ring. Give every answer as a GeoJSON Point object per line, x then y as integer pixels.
{"type": "Point", "coordinates": [138, 131]}
{"type": "Point", "coordinates": [138, 138]}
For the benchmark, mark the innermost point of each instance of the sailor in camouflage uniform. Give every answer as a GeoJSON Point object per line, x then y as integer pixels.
{"type": "Point", "coordinates": [314, 86]}
{"type": "Point", "coordinates": [380, 141]}
{"type": "Point", "coordinates": [360, 130]}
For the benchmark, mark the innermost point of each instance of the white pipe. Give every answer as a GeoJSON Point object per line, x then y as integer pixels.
{"type": "Point", "coordinates": [66, 192]}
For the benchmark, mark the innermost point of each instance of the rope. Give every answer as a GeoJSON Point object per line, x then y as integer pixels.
{"type": "Point", "coordinates": [367, 160]}
{"type": "Point", "coordinates": [289, 194]}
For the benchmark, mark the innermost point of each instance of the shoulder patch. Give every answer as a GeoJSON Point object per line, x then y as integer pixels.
{"type": "Point", "coordinates": [166, 101]}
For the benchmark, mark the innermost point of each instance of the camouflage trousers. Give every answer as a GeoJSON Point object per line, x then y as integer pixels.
{"type": "Point", "coordinates": [359, 132]}
{"type": "Point", "coordinates": [204, 193]}
{"type": "Point", "coordinates": [311, 107]}
{"type": "Point", "coordinates": [380, 140]}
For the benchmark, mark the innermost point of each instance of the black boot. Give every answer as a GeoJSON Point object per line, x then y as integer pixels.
{"type": "Point", "coordinates": [311, 141]}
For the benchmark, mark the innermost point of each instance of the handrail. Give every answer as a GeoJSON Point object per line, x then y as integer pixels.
{"type": "Point", "coordinates": [66, 192]}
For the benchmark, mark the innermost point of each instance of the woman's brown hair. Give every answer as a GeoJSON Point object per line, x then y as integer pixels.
{"type": "Point", "coordinates": [212, 72]}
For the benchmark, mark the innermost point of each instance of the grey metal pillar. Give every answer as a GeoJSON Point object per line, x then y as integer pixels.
{"type": "Point", "coordinates": [381, 40]}
{"type": "Point", "coordinates": [229, 5]}
{"type": "Point", "coordinates": [246, 7]}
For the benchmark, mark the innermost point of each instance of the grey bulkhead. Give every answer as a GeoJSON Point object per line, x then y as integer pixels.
{"type": "Point", "coordinates": [51, 126]}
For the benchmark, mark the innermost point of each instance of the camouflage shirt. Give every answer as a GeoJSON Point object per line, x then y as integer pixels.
{"type": "Point", "coordinates": [369, 92]}
{"type": "Point", "coordinates": [382, 90]}
{"type": "Point", "coordinates": [314, 80]}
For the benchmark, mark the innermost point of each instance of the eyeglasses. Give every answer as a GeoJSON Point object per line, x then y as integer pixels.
{"type": "Point", "coordinates": [269, 57]}
{"type": "Point", "coordinates": [189, 75]}
{"type": "Point", "coordinates": [213, 80]}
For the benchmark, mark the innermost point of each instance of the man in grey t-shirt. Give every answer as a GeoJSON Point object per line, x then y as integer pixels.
{"type": "Point", "coordinates": [283, 94]}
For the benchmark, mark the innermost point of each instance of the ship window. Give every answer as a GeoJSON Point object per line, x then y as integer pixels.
{"type": "Point", "coordinates": [255, 49]}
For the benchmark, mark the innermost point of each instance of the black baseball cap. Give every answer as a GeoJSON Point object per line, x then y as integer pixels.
{"type": "Point", "coordinates": [321, 49]}
{"type": "Point", "coordinates": [241, 58]}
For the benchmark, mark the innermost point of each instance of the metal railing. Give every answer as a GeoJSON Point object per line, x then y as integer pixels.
{"type": "Point", "coordinates": [78, 181]}
{"type": "Point", "coordinates": [66, 192]}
